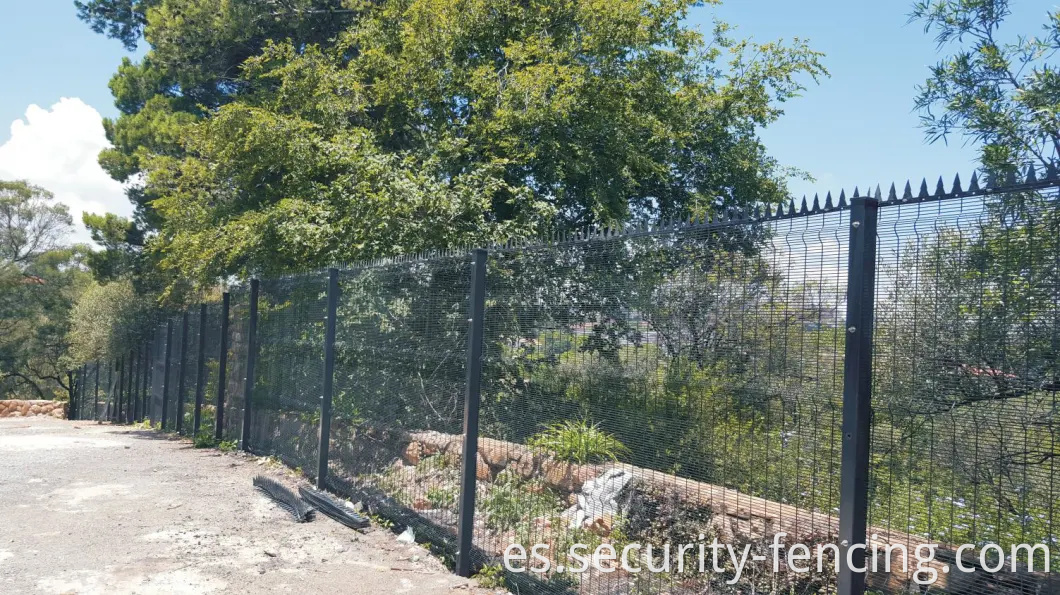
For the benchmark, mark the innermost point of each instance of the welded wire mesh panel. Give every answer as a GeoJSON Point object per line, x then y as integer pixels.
{"type": "Point", "coordinates": [285, 408]}
{"type": "Point", "coordinates": [400, 372]}
{"type": "Point", "coordinates": [211, 335]}
{"type": "Point", "coordinates": [158, 355]}
{"type": "Point", "coordinates": [172, 389]}
{"type": "Point", "coordinates": [966, 387]}
{"type": "Point", "coordinates": [236, 374]}
{"type": "Point", "coordinates": [189, 373]}
{"type": "Point", "coordinates": [664, 387]}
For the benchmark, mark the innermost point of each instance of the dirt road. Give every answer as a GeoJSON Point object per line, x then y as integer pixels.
{"type": "Point", "coordinates": [88, 508]}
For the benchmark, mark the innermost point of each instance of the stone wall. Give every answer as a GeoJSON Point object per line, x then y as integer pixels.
{"type": "Point", "coordinates": [18, 408]}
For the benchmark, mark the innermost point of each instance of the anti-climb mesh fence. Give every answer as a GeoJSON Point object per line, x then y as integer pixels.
{"type": "Point", "coordinates": [285, 407]}
{"type": "Point", "coordinates": [400, 377]}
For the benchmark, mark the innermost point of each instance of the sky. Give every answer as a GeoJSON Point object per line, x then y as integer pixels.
{"type": "Point", "coordinates": [856, 128]}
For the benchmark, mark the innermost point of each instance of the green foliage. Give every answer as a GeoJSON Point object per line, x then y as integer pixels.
{"type": "Point", "coordinates": [440, 497]}
{"type": "Point", "coordinates": [578, 441]}
{"type": "Point", "coordinates": [109, 320]}
{"type": "Point", "coordinates": [511, 502]}
{"type": "Point", "coordinates": [228, 445]}
{"type": "Point", "coordinates": [279, 137]}
{"type": "Point", "coordinates": [1001, 95]}
{"type": "Point", "coordinates": [40, 280]}
{"type": "Point", "coordinates": [491, 577]}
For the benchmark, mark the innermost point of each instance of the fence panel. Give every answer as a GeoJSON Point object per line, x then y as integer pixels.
{"type": "Point", "coordinates": [400, 359]}
{"type": "Point", "coordinates": [966, 367]}
{"type": "Point", "coordinates": [236, 375]}
{"type": "Point", "coordinates": [285, 415]}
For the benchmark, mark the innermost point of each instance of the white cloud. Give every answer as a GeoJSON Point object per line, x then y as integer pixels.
{"type": "Point", "coordinates": [57, 149]}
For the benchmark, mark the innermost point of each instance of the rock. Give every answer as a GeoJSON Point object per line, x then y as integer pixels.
{"type": "Point", "coordinates": [413, 453]}
{"type": "Point", "coordinates": [482, 470]}
{"type": "Point", "coordinates": [421, 504]}
{"type": "Point", "coordinates": [602, 525]}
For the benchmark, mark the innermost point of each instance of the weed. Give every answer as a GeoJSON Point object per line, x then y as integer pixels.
{"type": "Point", "coordinates": [204, 440]}
{"type": "Point", "coordinates": [491, 577]}
{"type": "Point", "coordinates": [510, 501]}
{"type": "Point", "coordinates": [441, 497]}
{"type": "Point", "coordinates": [578, 441]}
{"type": "Point", "coordinates": [227, 445]}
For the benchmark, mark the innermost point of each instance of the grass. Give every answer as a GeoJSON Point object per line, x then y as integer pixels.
{"type": "Point", "coordinates": [578, 441]}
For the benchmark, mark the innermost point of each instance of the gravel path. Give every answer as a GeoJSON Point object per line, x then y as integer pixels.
{"type": "Point", "coordinates": [88, 508]}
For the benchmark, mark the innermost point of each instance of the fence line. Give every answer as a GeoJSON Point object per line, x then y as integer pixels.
{"type": "Point", "coordinates": [883, 365]}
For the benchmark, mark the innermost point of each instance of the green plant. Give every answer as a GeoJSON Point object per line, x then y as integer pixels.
{"type": "Point", "coordinates": [441, 497]}
{"type": "Point", "coordinates": [510, 502]}
{"type": "Point", "coordinates": [204, 440]}
{"type": "Point", "coordinates": [228, 445]}
{"type": "Point", "coordinates": [578, 442]}
{"type": "Point", "coordinates": [491, 577]}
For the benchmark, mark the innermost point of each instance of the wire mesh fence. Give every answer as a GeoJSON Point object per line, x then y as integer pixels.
{"type": "Point", "coordinates": [675, 385]}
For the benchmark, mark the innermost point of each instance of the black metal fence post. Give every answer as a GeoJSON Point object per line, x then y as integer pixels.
{"type": "Point", "coordinates": [469, 462]}
{"type": "Point", "coordinates": [180, 375]}
{"type": "Point", "coordinates": [329, 377]}
{"type": "Point", "coordinates": [222, 369]}
{"type": "Point", "coordinates": [138, 365]}
{"type": "Point", "coordinates": [857, 395]}
{"type": "Point", "coordinates": [110, 389]}
{"type": "Point", "coordinates": [252, 356]}
{"type": "Point", "coordinates": [165, 374]}
{"type": "Point", "coordinates": [200, 374]}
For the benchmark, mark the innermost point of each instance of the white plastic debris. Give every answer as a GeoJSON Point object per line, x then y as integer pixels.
{"type": "Point", "coordinates": [598, 497]}
{"type": "Point", "coordinates": [409, 536]}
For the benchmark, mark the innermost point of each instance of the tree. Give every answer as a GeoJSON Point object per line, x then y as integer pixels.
{"type": "Point", "coordinates": [1005, 96]}
{"type": "Point", "coordinates": [39, 281]}
{"type": "Point", "coordinates": [424, 126]}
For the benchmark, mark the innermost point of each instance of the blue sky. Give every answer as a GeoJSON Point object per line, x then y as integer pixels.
{"type": "Point", "coordinates": [855, 128]}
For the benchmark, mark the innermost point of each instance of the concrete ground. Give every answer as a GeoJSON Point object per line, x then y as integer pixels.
{"type": "Point", "coordinates": [87, 508]}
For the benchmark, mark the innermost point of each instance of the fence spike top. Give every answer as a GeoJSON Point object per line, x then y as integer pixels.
{"type": "Point", "coordinates": [780, 210]}
{"type": "Point", "coordinates": [857, 193]}
{"type": "Point", "coordinates": [940, 188]}
{"type": "Point", "coordinates": [908, 192]}
{"type": "Point", "coordinates": [892, 194]}
{"type": "Point", "coordinates": [769, 211]}
{"type": "Point", "coordinates": [842, 199]}
{"type": "Point", "coordinates": [802, 208]}
{"type": "Point", "coordinates": [923, 189]}
{"type": "Point", "coordinates": [828, 204]}
{"type": "Point", "coordinates": [1050, 171]}
{"type": "Point", "coordinates": [957, 184]}
{"type": "Point", "coordinates": [1011, 179]}
{"type": "Point", "coordinates": [973, 185]}
{"type": "Point", "coordinates": [1031, 178]}
{"type": "Point", "coordinates": [817, 202]}
{"type": "Point", "coordinates": [878, 193]}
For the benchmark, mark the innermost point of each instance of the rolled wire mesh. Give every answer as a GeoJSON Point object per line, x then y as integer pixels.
{"type": "Point", "coordinates": [666, 387]}
{"type": "Point", "coordinates": [400, 380]}
{"type": "Point", "coordinates": [285, 407]}
{"type": "Point", "coordinates": [964, 435]}
{"type": "Point", "coordinates": [236, 373]}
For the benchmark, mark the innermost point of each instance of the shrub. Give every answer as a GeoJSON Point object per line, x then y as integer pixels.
{"type": "Point", "coordinates": [578, 442]}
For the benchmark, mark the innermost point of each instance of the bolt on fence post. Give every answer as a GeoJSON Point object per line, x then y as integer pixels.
{"type": "Point", "coordinates": [95, 395]}
{"type": "Point", "coordinates": [329, 377]}
{"type": "Point", "coordinates": [857, 393]}
{"type": "Point", "coordinates": [252, 356]}
{"type": "Point", "coordinates": [165, 374]}
{"type": "Point", "coordinates": [469, 462]}
{"type": "Point", "coordinates": [180, 375]}
{"type": "Point", "coordinates": [200, 374]}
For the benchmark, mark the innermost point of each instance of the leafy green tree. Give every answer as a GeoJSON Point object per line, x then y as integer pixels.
{"type": "Point", "coordinates": [1004, 96]}
{"type": "Point", "coordinates": [271, 142]}
{"type": "Point", "coordinates": [39, 280]}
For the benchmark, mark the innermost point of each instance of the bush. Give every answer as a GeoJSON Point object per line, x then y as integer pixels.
{"type": "Point", "coordinates": [578, 442]}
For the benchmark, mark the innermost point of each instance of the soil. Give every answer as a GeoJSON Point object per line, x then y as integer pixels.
{"type": "Point", "coordinates": [88, 508]}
